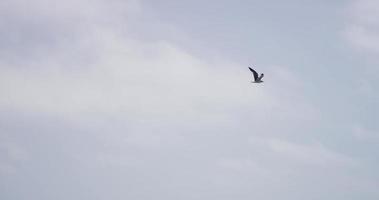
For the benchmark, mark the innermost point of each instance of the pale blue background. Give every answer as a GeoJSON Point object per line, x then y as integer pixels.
{"type": "Point", "coordinates": [145, 99]}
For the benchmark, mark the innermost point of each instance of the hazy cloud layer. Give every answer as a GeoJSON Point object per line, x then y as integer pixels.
{"type": "Point", "coordinates": [363, 25]}
{"type": "Point", "coordinates": [90, 109]}
{"type": "Point", "coordinates": [362, 34]}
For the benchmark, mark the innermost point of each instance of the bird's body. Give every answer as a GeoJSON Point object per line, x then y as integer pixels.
{"type": "Point", "coordinates": [257, 79]}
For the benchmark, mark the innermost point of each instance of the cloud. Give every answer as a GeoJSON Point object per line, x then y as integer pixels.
{"type": "Point", "coordinates": [11, 155]}
{"type": "Point", "coordinates": [363, 133]}
{"type": "Point", "coordinates": [313, 154]}
{"type": "Point", "coordinates": [362, 29]}
{"type": "Point", "coordinates": [90, 111]}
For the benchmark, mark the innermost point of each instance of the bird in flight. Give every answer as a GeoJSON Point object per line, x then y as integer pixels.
{"type": "Point", "coordinates": [257, 79]}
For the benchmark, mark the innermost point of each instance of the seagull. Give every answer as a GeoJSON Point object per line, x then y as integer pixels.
{"type": "Point", "coordinates": [257, 79]}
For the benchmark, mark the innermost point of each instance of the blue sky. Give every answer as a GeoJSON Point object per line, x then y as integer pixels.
{"type": "Point", "coordinates": [140, 99]}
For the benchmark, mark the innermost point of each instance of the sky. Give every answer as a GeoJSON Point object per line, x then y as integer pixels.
{"type": "Point", "coordinates": [143, 99]}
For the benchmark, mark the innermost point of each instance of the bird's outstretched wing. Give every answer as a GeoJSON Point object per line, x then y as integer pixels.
{"type": "Point", "coordinates": [255, 74]}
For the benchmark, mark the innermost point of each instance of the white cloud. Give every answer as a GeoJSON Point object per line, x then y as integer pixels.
{"type": "Point", "coordinates": [363, 25]}
{"type": "Point", "coordinates": [149, 115]}
{"type": "Point", "coordinates": [10, 156]}
{"type": "Point", "coordinates": [363, 133]}
{"type": "Point", "coordinates": [313, 154]}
